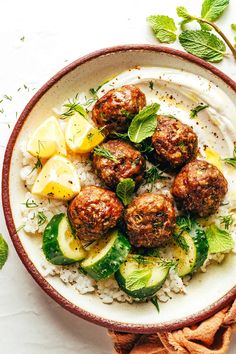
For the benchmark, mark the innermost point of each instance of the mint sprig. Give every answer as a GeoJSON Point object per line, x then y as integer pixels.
{"type": "Point", "coordinates": [3, 251]}
{"type": "Point", "coordinates": [125, 190]}
{"type": "Point", "coordinates": [163, 27]}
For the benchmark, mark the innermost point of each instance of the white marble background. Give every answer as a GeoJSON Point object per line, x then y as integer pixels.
{"type": "Point", "coordinates": [54, 34]}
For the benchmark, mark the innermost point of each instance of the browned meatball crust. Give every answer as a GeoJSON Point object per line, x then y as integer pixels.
{"type": "Point", "coordinates": [175, 143]}
{"type": "Point", "coordinates": [129, 163]}
{"type": "Point", "coordinates": [93, 212]}
{"type": "Point", "coordinates": [199, 188]}
{"type": "Point", "coordinates": [150, 220]}
{"type": "Point", "coordinates": [117, 107]}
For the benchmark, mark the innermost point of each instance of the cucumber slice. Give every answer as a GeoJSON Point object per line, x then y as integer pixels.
{"type": "Point", "coordinates": [143, 277]}
{"type": "Point", "coordinates": [106, 256]}
{"type": "Point", "coordinates": [59, 244]}
{"type": "Point", "coordinates": [192, 259]}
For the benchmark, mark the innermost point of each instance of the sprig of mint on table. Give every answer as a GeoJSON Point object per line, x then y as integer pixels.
{"type": "Point", "coordinates": [201, 43]}
{"type": "Point", "coordinates": [3, 251]}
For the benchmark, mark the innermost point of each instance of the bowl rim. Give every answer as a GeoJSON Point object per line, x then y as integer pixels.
{"type": "Point", "coordinates": [41, 281]}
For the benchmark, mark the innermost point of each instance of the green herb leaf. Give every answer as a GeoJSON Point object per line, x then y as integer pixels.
{"type": "Point", "coordinates": [30, 203]}
{"type": "Point", "coordinates": [231, 160]}
{"type": "Point", "coordinates": [233, 26]}
{"type": "Point", "coordinates": [72, 108]}
{"type": "Point", "coordinates": [185, 223]}
{"type": "Point", "coordinates": [144, 123]}
{"type": "Point", "coordinates": [123, 136]}
{"type": "Point", "coordinates": [154, 301]}
{"type": "Point", "coordinates": [227, 221]}
{"type": "Point", "coordinates": [153, 174]}
{"type": "Point", "coordinates": [101, 151]}
{"type": "Point", "coordinates": [203, 44]}
{"type": "Point", "coordinates": [3, 251]}
{"type": "Point", "coordinates": [180, 241]}
{"type": "Point", "coordinates": [164, 28]}
{"type": "Point", "coordinates": [183, 12]}
{"type": "Point", "coordinates": [197, 109]}
{"type": "Point", "coordinates": [213, 9]}
{"type": "Point", "coordinates": [138, 279]}
{"type": "Point", "coordinates": [41, 217]}
{"type": "Point", "coordinates": [37, 165]}
{"type": "Point", "coordinates": [218, 240]}
{"type": "Point", "coordinates": [125, 190]}
{"type": "Point", "coordinates": [145, 147]}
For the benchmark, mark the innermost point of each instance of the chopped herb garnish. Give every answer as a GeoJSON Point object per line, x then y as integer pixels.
{"type": "Point", "coordinates": [37, 165]}
{"type": "Point", "coordinates": [154, 301]}
{"type": "Point", "coordinates": [227, 221]}
{"type": "Point", "coordinates": [231, 160]}
{"type": "Point", "coordinates": [22, 39]}
{"type": "Point", "coordinates": [30, 203]}
{"type": "Point", "coordinates": [72, 108]}
{"type": "Point", "coordinates": [197, 109]}
{"type": "Point", "coordinates": [41, 217]}
{"type": "Point", "coordinates": [185, 223]}
{"type": "Point", "coordinates": [145, 147]}
{"type": "Point", "coordinates": [101, 151]}
{"type": "Point", "coordinates": [9, 98]}
{"type": "Point", "coordinates": [3, 251]}
{"type": "Point", "coordinates": [151, 84]}
{"type": "Point", "coordinates": [125, 190]}
{"type": "Point", "coordinates": [180, 241]}
{"type": "Point", "coordinates": [153, 174]}
{"type": "Point", "coordinates": [123, 136]}
{"type": "Point", "coordinates": [20, 227]}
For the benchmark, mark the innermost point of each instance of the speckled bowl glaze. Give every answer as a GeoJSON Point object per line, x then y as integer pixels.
{"type": "Point", "coordinates": [207, 293]}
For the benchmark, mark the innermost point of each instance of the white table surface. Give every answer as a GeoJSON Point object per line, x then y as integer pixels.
{"type": "Point", "coordinates": [56, 33]}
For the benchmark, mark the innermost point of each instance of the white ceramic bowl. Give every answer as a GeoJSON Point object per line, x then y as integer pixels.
{"type": "Point", "coordinates": [207, 292]}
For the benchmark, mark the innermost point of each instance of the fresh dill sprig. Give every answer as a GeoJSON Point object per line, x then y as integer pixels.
{"type": "Point", "coordinates": [30, 203]}
{"type": "Point", "coordinates": [153, 174]}
{"type": "Point", "coordinates": [41, 218]}
{"type": "Point", "coordinates": [72, 108]}
{"type": "Point", "coordinates": [37, 165]}
{"type": "Point", "coordinates": [227, 221]}
{"type": "Point", "coordinates": [231, 160]}
{"type": "Point", "coordinates": [101, 151]}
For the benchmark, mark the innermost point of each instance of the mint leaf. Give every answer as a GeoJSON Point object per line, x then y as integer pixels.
{"type": "Point", "coordinates": [197, 109]}
{"type": "Point", "coordinates": [144, 123]}
{"type": "Point", "coordinates": [203, 44]}
{"type": "Point", "coordinates": [213, 9]}
{"type": "Point", "coordinates": [125, 190]}
{"type": "Point", "coordinates": [138, 279]}
{"type": "Point", "coordinates": [164, 28]}
{"type": "Point", "coordinates": [233, 26]}
{"type": "Point", "coordinates": [3, 251]}
{"type": "Point", "coordinates": [182, 12]}
{"type": "Point", "coordinates": [219, 240]}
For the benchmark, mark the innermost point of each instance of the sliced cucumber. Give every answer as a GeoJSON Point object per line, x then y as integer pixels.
{"type": "Point", "coordinates": [59, 243]}
{"type": "Point", "coordinates": [106, 256]}
{"type": "Point", "coordinates": [143, 277]}
{"type": "Point", "coordinates": [192, 259]}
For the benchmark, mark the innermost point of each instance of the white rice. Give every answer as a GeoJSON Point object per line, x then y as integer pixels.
{"type": "Point", "coordinates": [107, 290]}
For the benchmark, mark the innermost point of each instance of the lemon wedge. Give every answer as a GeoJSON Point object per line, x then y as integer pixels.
{"type": "Point", "coordinates": [58, 179]}
{"type": "Point", "coordinates": [81, 136]}
{"type": "Point", "coordinates": [47, 140]}
{"type": "Point", "coordinates": [213, 157]}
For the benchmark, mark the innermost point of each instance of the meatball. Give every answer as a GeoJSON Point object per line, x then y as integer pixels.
{"type": "Point", "coordinates": [150, 220]}
{"type": "Point", "coordinates": [93, 212]}
{"type": "Point", "coordinates": [199, 188]}
{"type": "Point", "coordinates": [117, 107]}
{"type": "Point", "coordinates": [175, 143]}
{"type": "Point", "coordinates": [128, 163]}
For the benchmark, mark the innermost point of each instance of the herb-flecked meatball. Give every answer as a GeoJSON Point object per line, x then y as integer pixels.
{"type": "Point", "coordinates": [117, 107]}
{"type": "Point", "coordinates": [199, 188]}
{"type": "Point", "coordinates": [175, 143]}
{"type": "Point", "coordinates": [150, 220]}
{"type": "Point", "coordinates": [127, 162]}
{"type": "Point", "coordinates": [93, 212]}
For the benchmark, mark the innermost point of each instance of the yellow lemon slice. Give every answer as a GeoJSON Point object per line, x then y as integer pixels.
{"type": "Point", "coordinates": [213, 157]}
{"type": "Point", "coordinates": [47, 140]}
{"type": "Point", "coordinates": [58, 179]}
{"type": "Point", "coordinates": [81, 136]}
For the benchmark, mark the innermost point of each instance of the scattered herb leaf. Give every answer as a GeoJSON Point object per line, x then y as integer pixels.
{"type": "Point", "coordinates": [180, 241]}
{"type": "Point", "coordinates": [123, 136]}
{"type": "Point", "coordinates": [219, 240]}
{"type": "Point", "coordinates": [144, 123]}
{"type": "Point", "coordinates": [203, 44]}
{"type": "Point", "coordinates": [41, 218]}
{"type": "Point", "coordinates": [37, 165]}
{"type": "Point", "coordinates": [9, 98]}
{"type": "Point", "coordinates": [227, 221]}
{"type": "Point", "coordinates": [101, 151]}
{"type": "Point", "coordinates": [3, 251]}
{"type": "Point", "coordinates": [138, 279]}
{"type": "Point", "coordinates": [213, 9]}
{"type": "Point", "coordinates": [197, 109]}
{"type": "Point", "coordinates": [30, 203]}
{"type": "Point", "coordinates": [151, 84]}
{"type": "Point", "coordinates": [163, 27]}
{"type": "Point", "coordinates": [153, 174]}
{"type": "Point", "coordinates": [72, 108]}
{"type": "Point", "coordinates": [154, 301]}
{"type": "Point", "coordinates": [233, 26]}
{"type": "Point", "coordinates": [125, 190]}
{"type": "Point", "coordinates": [231, 160]}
